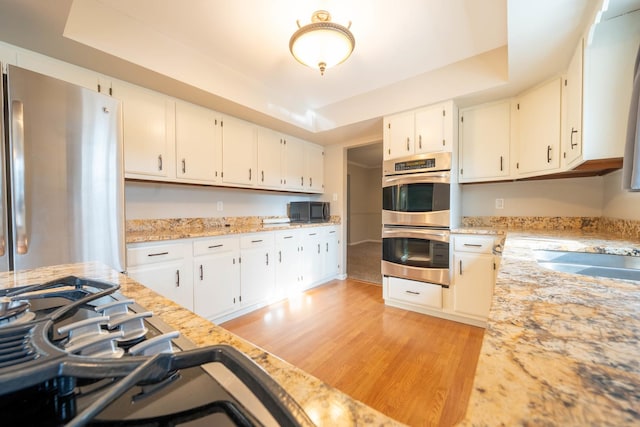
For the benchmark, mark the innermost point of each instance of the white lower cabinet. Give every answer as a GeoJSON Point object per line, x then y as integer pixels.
{"type": "Point", "coordinates": [216, 266]}
{"type": "Point", "coordinates": [165, 268]}
{"type": "Point", "coordinates": [223, 277]}
{"type": "Point", "coordinates": [474, 275]}
{"type": "Point", "coordinates": [412, 292]}
{"type": "Point", "coordinates": [257, 271]}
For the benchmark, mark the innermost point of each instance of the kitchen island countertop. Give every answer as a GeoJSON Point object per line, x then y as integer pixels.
{"type": "Point", "coordinates": [324, 404]}
{"type": "Point", "coordinates": [559, 349]}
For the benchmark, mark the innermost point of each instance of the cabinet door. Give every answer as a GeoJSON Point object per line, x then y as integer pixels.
{"type": "Point", "coordinates": [331, 263]}
{"type": "Point", "coordinates": [473, 283]}
{"type": "Point", "coordinates": [485, 136]}
{"type": "Point", "coordinates": [572, 132]}
{"type": "Point", "coordinates": [238, 152]}
{"type": "Point", "coordinates": [198, 145]}
{"type": "Point", "coordinates": [312, 257]}
{"type": "Point", "coordinates": [171, 279]}
{"type": "Point", "coordinates": [148, 121]}
{"type": "Point", "coordinates": [315, 168]}
{"type": "Point", "coordinates": [269, 158]}
{"type": "Point", "coordinates": [398, 135]}
{"type": "Point", "coordinates": [430, 130]}
{"type": "Point", "coordinates": [539, 129]}
{"type": "Point", "coordinates": [216, 287]}
{"type": "Point", "coordinates": [287, 264]}
{"type": "Point", "coordinates": [257, 273]}
{"type": "Point", "coordinates": [294, 163]}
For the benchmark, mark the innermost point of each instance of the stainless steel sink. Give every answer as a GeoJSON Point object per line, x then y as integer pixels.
{"type": "Point", "coordinates": [590, 264]}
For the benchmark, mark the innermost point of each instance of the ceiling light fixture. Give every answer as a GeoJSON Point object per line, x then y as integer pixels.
{"type": "Point", "coordinates": [322, 43]}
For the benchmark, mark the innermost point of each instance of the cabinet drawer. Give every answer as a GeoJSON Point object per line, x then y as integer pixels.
{"type": "Point", "coordinates": [425, 294]}
{"type": "Point", "coordinates": [258, 240]}
{"type": "Point", "coordinates": [154, 254]}
{"type": "Point", "coordinates": [479, 244]}
{"type": "Point", "coordinates": [217, 245]}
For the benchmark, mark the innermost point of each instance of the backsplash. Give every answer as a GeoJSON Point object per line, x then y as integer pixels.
{"type": "Point", "coordinates": [622, 227]}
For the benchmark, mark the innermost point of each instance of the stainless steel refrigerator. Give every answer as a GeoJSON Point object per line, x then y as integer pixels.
{"type": "Point", "coordinates": [63, 189]}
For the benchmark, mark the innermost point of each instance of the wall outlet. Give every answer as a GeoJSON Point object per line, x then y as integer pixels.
{"type": "Point", "coordinates": [335, 197]}
{"type": "Point", "coordinates": [219, 206]}
{"type": "Point", "coordinates": [499, 203]}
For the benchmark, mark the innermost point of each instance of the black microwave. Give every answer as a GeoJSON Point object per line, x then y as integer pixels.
{"type": "Point", "coordinates": [309, 211]}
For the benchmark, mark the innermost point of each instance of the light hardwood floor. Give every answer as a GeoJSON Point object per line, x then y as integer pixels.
{"type": "Point", "coordinates": [414, 368]}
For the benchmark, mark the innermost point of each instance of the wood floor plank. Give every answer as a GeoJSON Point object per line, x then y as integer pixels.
{"type": "Point", "coordinates": [415, 368]}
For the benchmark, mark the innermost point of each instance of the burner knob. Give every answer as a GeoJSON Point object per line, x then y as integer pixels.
{"type": "Point", "coordinates": [115, 308]}
{"type": "Point", "coordinates": [132, 325]}
{"type": "Point", "coordinates": [155, 345]}
{"type": "Point", "coordinates": [102, 345]}
{"type": "Point", "coordinates": [83, 328]}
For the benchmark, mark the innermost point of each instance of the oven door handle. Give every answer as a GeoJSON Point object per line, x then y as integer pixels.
{"type": "Point", "coordinates": [415, 233]}
{"type": "Point", "coordinates": [417, 178]}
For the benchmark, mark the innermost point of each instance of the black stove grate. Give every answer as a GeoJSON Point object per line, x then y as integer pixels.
{"type": "Point", "coordinates": [16, 346]}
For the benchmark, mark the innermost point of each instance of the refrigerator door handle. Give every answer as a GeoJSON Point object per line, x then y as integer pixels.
{"type": "Point", "coordinates": [17, 131]}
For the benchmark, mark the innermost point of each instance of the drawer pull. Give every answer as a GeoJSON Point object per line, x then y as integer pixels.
{"type": "Point", "coordinates": [288, 237]}
{"type": "Point", "coordinates": [461, 267]}
{"type": "Point", "coordinates": [413, 292]}
{"type": "Point", "coordinates": [177, 278]}
{"type": "Point", "coordinates": [216, 246]}
{"type": "Point", "coordinates": [159, 254]}
{"type": "Point", "coordinates": [256, 241]}
{"type": "Point", "coordinates": [472, 245]}
{"type": "Point", "coordinates": [201, 273]}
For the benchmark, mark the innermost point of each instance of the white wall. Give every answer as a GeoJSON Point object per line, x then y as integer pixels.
{"type": "Point", "coordinates": [158, 201]}
{"type": "Point", "coordinates": [617, 202]}
{"type": "Point", "coordinates": [557, 197]}
{"type": "Point", "coordinates": [365, 204]}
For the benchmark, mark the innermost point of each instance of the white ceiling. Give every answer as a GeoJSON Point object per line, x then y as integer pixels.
{"type": "Point", "coordinates": [233, 55]}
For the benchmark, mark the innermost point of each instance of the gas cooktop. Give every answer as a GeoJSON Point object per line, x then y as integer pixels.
{"type": "Point", "coordinates": [75, 352]}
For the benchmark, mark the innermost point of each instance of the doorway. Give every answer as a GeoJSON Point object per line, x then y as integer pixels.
{"type": "Point", "coordinates": [364, 212]}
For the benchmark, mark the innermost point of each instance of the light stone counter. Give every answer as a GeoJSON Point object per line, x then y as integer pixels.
{"type": "Point", "coordinates": [325, 405]}
{"type": "Point", "coordinates": [559, 349]}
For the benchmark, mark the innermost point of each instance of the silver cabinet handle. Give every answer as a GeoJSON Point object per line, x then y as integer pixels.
{"type": "Point", "coordinates": [184, 166]}
{"type": "Point", "coordinates": [19, 173]}
{"type": "Point", "coordinates": [327, 246]}
{"type": "Point", "coordinates": [572, 132]}
{"type": "Point", "coordinates": [256, 241]}
{"type": "Point", "coordinates": [548, 154]}
{"type": "Point", "coordinates": [159, 162]}
{"type": "Point", "coordinates": [500, 163]}
{"type": "Point", "coordinates": [472, 245]}
{"type": "Point", "coordinates": [461, 267]}
{"type": "Point", "coordinates": [280, 256]}
{"type": "Point", "coordinates": [262, 176]}
{"type": "Point", "coordinates": [413, 292]}
{"type": "Point", "coordinates": [310, 181]}
{"type": "Point", "coordinates": [419, 141]}
{"type": "Point", "coordinates": [267, 254]}
{"type": "Point", "coordinates": [201, 273]}
{"type": "Point", "coordinates": [318, 247]}
{"type": "Point", "coordinates": [249, 174]}
{"type": "Point", "coordinates": [215, 246]}
{"type": "Point", "coordinates": [302, 181]}
{"type": "Point", "coordinates": [158, 254]}
{"type": "Point", "coordinates": [407, 143]}
{"type": "Point", "coordinates": [177, 278]}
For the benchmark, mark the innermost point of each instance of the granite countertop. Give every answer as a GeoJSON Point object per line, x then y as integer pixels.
{"type": "Point", "coordinates": [152, 234]}
{"type": "Point", "coordinates": [324, 404]}
{"type": "Point", "coordinates": [559, 349]}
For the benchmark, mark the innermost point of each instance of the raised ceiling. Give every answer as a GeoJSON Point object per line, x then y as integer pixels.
{"type": "Point", "coordinates": [233, 55]}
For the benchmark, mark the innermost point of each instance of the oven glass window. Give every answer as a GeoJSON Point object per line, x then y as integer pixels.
{"type": "Point", "coordinates": [421, 253]}
{"type": "Point", "coordinates": [419, 197]}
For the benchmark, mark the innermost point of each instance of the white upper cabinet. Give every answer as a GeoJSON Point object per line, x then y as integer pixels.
{"type": "Point", "coordinates": [426, 130]}
{"type": "Point", "coordinates": [270, 159]}
{"type": "Point", "coordinates": [294, 163]}
{"type": "Point", "coordinates": [538, 121]}
{"type": "Point", "coordinates": [148, 132]}
{"type": "Point", "coordinates": [239, 148]}
{"type": "Point", "coordinates": [572, 97]}
{"type": "Point", "coordinates": [314, 162]}
{"type": "Point", "coordinates": [485, 138]}
{"type": "Point", "coordinates": [198, 144]}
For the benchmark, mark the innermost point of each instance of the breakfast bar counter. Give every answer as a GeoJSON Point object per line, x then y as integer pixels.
{"type": "Point", "coordinates": [559, 349]}
{"type": "Point", "coordinates": [324, 404]}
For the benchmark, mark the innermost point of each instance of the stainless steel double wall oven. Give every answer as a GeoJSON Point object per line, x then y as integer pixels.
{"type": "Point", "coordinates": [416, 217]}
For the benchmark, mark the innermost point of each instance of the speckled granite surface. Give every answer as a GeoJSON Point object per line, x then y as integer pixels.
{"type": "Point", "coordinates": [559, 349]}
{"type": "Point", "coordinates": [325, 405]}
{"type": "Point", "coordinates": [150, 230]}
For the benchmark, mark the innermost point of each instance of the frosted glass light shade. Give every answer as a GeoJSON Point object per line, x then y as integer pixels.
{"type": "Point", "coordinates": [321, 44]}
